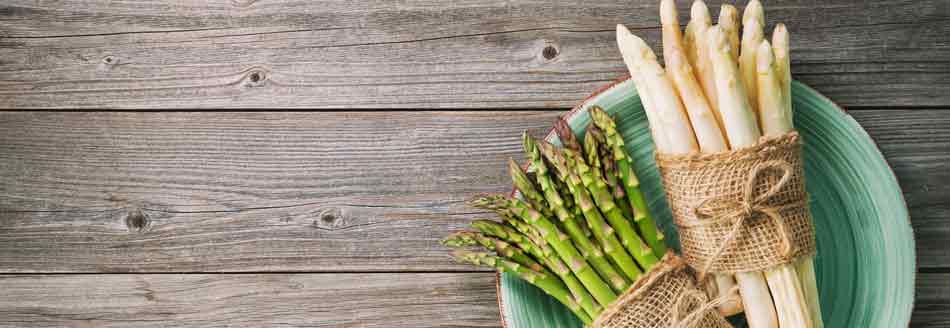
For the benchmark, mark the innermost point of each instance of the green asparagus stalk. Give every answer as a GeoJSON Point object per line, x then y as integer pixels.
{"type": "Point", "coordinates": [598, 157]}
{"type": "Point", "coordinates": [502, 248]}
{"type": "Point", "coordinates": [590, 252]}
{"type": "Point", "coordinates": [561, 243]}
{"type": "Point", "coordinates": [568, 139]}
{"type": "Point", "coordinates": [546, 282]}
{"type": "Point", "coordinates": [602, 231]}
{"type": "Point", "coordinates": [605, 202]}
{"type": "Point", "coordinates": [527, 188]}
{"type": "Point", "coordinates": [641, 214]}
{"type": "Point", "coordinates": [540, 251]}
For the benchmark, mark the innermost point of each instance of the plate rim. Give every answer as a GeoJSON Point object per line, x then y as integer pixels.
{"type": "Point", "coordinates": [624, 78]}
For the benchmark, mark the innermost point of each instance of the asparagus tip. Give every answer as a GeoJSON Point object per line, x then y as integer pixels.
{"type": "Point", "coordinates": [699, 12]}
{"type": "Point", "coordinates": [754, 10]}
{"type": "Point", "coordinates": [668, 14]}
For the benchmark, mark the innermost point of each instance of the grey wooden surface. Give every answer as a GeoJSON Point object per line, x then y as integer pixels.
{"type": "Point", "coordinates": [331, 218]}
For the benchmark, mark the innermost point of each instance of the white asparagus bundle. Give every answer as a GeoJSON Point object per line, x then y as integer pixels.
{"type": "Point", "coordinates": [701, 115]}
{"type": "Point", "coordinates": [719, 93]}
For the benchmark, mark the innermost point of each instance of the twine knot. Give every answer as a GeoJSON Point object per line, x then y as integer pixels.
{"type": "Point", "coordinates": [740, 213]}
{"type": "Point", "coordinates": [695, 317]}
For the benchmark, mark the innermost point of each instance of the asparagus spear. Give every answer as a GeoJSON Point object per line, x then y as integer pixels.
{"type": "Point", "coordinates": [806, 265]}
{"type": "Point", "coordinates": [540, 250]}
{"type": "Point", "coordinates": [698, 54]}
{"type": "Point", "coordinates": [568, 140]}
{"type": "Point", "coordinates": [641, 214]}
{"type": "Point", "coordinates": [780, 44]}
{"type": "Point", "coordinates": [564, 132]}
{"type": "Point", "coordinates": [701, 115]}
{"type": "Point", "coordinates": [581, 241]}
{"type": "Point", "coordinates": [546, 282]}
{"type": "Point", "coordinates": [527, 188]}
{"type": "Point", "coordinates": [502, 248]}
{"type": "Point", "coordinates": [561, 244]}
{"type": "Point", "coordinates": [729, 22]}
{"type": "Point", "coordinates": [741, 125]}
{"type": "Point", "coordinates": [794, 309]}
{"type": "Point", "coordinates": [602, 231]}
{"type": "Point", "coordinates": [642, 63]}
{"type": "Point", "coordinates": [743, 131]}
{"type": "Point", "coordinates": [753, 19]}
{"type": "Point", "coordinates": [599, 158]}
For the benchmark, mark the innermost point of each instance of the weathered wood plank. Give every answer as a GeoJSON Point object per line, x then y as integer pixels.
{"type": "Point", "coordinates": [932, 302]}
{"type": "Point", "coordinates": [293, 300]}
{"type": "Point", "coordinates": [250, 300]}
{"type": "Point", "coordinates": [421, 53]}
{"type": "Point", "coordinates": [272, 191]}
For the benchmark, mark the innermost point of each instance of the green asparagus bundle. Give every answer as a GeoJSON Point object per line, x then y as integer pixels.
{"type": "Point", "coordinates": [578, 229]}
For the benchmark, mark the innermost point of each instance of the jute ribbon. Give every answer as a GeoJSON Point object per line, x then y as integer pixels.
{"type": "Point", "coordinates": [661, 299]}
{"type": "Point", "coordinates": [740, 211]}
{"type": "Point", "coordinates": [746, 209]}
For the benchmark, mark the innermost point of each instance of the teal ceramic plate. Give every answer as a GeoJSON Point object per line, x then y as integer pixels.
{"type": "Point", "coordinates": [865, 263]}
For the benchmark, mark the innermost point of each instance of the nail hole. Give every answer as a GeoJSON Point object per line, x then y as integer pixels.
{"type": "Point", "coordinates": [549, 52]}
{"type": "Point", "coordinates": [136, 221]}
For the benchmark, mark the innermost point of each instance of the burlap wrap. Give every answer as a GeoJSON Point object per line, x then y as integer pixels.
{"type": "Point", "coordinates": [740, 211]}
{"type": "Point", "coordinates": [666, 297]}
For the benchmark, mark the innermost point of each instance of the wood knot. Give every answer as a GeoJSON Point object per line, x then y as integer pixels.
{"type": "Point", "coordinates": [136, 220]}
{"type": "Point", "coordinates": [256, 77]}
{"type": "Point", "coordinates": [549, 52]}
{"type": "Point", "coordinates": [329, 219]}
{"type": "Point", "coordinates": [110, 60]}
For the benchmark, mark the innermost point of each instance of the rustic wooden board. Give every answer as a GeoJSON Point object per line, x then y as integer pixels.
{"type": "Point", "coordinates": [250, 300]}
{"type": "Point", "coordinates": [293, 300]}
{"type": "Point", "coordinates": [421, 53]}
{"type": "Point", "coordinates": [312, 192]}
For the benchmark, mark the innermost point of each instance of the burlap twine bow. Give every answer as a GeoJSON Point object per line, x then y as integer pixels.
{"type": "Point", "coordinates": [740, 211]}
{"type": "Point", "coordinates": [666, 296]}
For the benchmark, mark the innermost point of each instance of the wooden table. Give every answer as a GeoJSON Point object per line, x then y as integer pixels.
{"type": "Point", "coordinates": [295, 162]}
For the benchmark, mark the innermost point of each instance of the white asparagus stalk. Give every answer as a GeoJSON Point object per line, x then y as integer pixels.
{"type": "Point", "coordinates": [753, 19]}
{"type": "Point", "coordinates": [759, 310]}
{"type": "Point", "coordinates": [708, 134]}
{"type": "Point", "coordinates": [789, 298]}
{"type": "Point", "coordinates": [742, 131]}
{"type": "Point", "coordinates": [806, 265]}
{"type": "Point", "coordinates": [806, 275]}
{"type": "Point", "coordinates": [777, 120]}
{"type": "Point", "coordinates": [738, 119]}
{"type": "Point", "coordinates": [632, 53]}
{"type": "Point", "coordinates": [775, 117]}
{"type": "Point", "coordinates": [672, 37]}
{"type": "Point", "coordinates": [783, 62]}
{"type": "Point", "coordinates": [672, 116]}
{"type": "Point", "coordinates": [699, 24]}
{"type": "Point", "coordinates": [659, 137]}
{"type": "Point", "coordinates": [729, 22]}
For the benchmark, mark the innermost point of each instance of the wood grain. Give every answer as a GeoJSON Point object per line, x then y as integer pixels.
{"type": "Point", "coordinates": [250, 300]}
{"type": "Point", "coordinates": [293, 300]}
{"type": "Point", "coordinates": [421, 53]}
{"type": "Point", "coordinates": [311, 192]}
